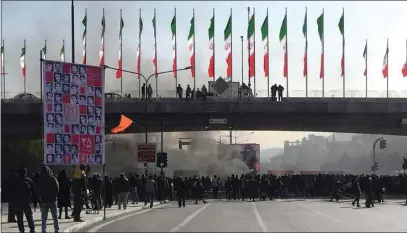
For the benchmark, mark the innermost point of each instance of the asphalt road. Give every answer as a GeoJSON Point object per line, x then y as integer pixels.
{"type": "Point", "coordinates": [291, 215]}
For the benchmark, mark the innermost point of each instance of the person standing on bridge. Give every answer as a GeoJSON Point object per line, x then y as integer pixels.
{"type": "Point", "coordinates": [149, 92]}
{"type": "Point", "coordinates": [143, 91]}
{"type": "Point", "coordinates": [188, 93]}
{"type": "Point", "coordinates": [273, 92]}
{"type": "Point", "coordinates": [280, 90]}
{"type": "Point", "coordinates": [179, 91]}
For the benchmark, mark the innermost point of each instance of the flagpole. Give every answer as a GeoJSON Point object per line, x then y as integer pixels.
{"type": "Point", "coordinates": [85, 37]}
{"type": "Point", "coordinates": [121, 53]}
{"type": "Point", "coordinates": [73, 30]}
{"type": "Point", "coordinates": [231, 57]}
{"type": "Point", "coordinates": [306, 53]}
{"type": "Point", "coordinates": [213, 39]}
{"type": "Point", "coordinates": [387, 52]}
{"type": "Point", "coordinates": [176, 65]}
{"type": "Point", "coordinates": [286, 48]}
{"type": "Point", "coordinates": [25, 73]}
{"type": "Point", "coordinates": [193, 16]}
{"type": "Point", "coordinates": [139, 56]}
{"type": "Point", "coordinates": [155, 54]}
{"type": "Point", "coordinates": [3, 71]}
{"type": "Point", "coordinates": [254, 51]}
{"type": "Point", "coordinates": [366, 67]}
{"type": "Point", "coordinates": [268, 56]}
{"type": "Point", "coordinates": [323, 55]}
{"type": "Point", "coordinates": [343, 51]}
{"type": "Point", "coordinates": [248, 49]}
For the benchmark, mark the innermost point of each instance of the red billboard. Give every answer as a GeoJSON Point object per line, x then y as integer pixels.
{"type": "Point", "coordinates": [248, 153]}
{"type": "Point", "coordinates": [146, 153]}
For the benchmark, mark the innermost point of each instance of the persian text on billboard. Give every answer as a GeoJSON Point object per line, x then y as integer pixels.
{"type": "Point", "coordinates": [146, 152]}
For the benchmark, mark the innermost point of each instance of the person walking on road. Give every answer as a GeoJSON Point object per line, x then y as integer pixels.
{"type": "Point", "coordinates": [150, 189]}
{"type": "Point", "coordinates": [123, 188]}
{"type": "Point", "coordinates": [48, 189]}
{"type": "Point", "coordinates": [64, 194]}
{"type": "Point", "coordinates": [358, 192]}
{"type": "Point", "coordinates": [181, 189]}
{"type": "Point", "coordinates": [24, 196]}
{"type": "Point", "coordinates": [199, 190]}
{"type": "Point", "coordinates": [280, 90]}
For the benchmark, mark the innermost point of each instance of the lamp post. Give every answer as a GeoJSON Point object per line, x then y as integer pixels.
{"type": "Point", "coordinates": [241, 38]}
{"type": "Point", "coordinates": [146, 80]}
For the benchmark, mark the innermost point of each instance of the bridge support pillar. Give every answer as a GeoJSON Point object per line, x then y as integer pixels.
{"type": "Point", "coordinates": [162, 136]}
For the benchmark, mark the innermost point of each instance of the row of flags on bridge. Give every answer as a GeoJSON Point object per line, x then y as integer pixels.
{"type": "Point", "coordinates": [228, 34]}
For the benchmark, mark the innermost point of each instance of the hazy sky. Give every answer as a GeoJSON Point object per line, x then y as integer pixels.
{"type": "Point", "coordinates": [37, 21]}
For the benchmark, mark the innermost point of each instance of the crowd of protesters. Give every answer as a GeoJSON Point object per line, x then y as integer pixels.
{"type": "Point", "coordinates": [52, 192]}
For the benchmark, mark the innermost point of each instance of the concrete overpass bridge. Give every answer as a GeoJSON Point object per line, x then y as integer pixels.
{"type": "Point", "coordinates": [23, 119]}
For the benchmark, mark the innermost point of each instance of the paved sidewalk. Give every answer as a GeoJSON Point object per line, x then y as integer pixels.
{"type": "Point", "coordinates": [66, 225]}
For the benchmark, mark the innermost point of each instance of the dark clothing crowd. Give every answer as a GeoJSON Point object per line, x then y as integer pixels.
{"type": "Point", "coordinates": [92, 192]}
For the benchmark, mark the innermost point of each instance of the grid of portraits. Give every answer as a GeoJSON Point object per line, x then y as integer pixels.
{"type": "Point", "coordinates": [73, 114]}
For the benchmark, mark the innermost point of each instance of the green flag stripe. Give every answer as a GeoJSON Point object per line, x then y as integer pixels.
{"type": "Point", "coordinates": [250, 30]}
{"type": "Point", "coordinates": [342, 24]}
{"type": "Point", "coordinates": [140, 26]}
{"type": "Point", "coordinates": [265, 28]}
{"type": "Point", "coordinates": [191, 29]}
{"type": "Point", "coordinates": [283, 29]}
{"type": "Point", "coordinates": [211, 30]}
{"type": "Point", "coordinates": [320, 22]}
{"type": "Point", "coordinates": [304, 26]}
{"type": "Point", "coordinates": [174, 25]}
{"type": "Point", "coordinates": [228, 29]}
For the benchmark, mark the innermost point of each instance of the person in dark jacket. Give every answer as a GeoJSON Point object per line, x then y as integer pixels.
{"type": "Point", "coordinates": [369, 194]}
{"type": "Point", "coordinates": [64, 194]}
{"type": "Point", "coordinates": [123, 188]}
{"type": "Point", "coordinates": [48, 188]}
{"type": "Point", "coordinates": [79, 193]}
{"type": "Point", "coordinates": [199, 191]}
{"type": "Point", "coordinates": [109, 192]}
{"type": "Point", "coordinates": [11, 197]}
{"type": "Point", "coordinates": [181, 188]}
{"type": "Point", "coordinates": [23, 197]}
{"type": "Point", "coordinates": [357, 192]}
{"type": "Point", "coordinates": [35, 178]}
{"type": "Point", "coordinates": [97, 186]}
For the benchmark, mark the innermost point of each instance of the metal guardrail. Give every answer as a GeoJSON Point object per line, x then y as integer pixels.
{"type": "Point", "coordinates": [295, 95]}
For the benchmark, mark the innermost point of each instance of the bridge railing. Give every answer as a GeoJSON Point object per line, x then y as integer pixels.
{"type": "Point", "coordinates": [314, 94]}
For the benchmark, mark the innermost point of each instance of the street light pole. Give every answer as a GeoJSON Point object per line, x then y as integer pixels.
{"type": "Point", "coordinates": [374, 154]}
{"type": "Point", "coordinates": [146, 82]}
{"type": "Point", "coordinates": [241, 38]}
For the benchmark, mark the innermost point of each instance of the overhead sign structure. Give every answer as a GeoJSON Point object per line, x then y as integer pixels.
{"type": "Point", "coordinates": [404, 121]}
{"type": "Point", "coordinates": [74, 113]}
{"type": "Point", "coordinates": [146, 153]}
{"type": "Point", "coordinates": [218, 121]}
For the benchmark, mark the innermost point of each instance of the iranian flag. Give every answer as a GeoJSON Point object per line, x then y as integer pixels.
{"type": "Point", "coordinates": [120, 67]}
{"type": "Point", "coordinates": [320, 22]}
{"type": "Point", "coordinates": [404, 69]}
{"type": "Point", "coordinates": [365, 57]}
{"type": "Point", "coordinates": [102, 41]}
{"type": "Point", "coordinates": [385, 69]}
{"type": "Point", "coordinates": [341, 26]}
{"type": "Point", "coordinates": [305, 31]}
{"type": "Point", "coordinates": [283, 41]}
{"type": "Point", "coordinates": [211, 32]}
{"type": "Point", "coordinates": [3, 70]}
{"type": "Point", "coordinates": [155, 47]}
{"type": "Point", "coordinates": [228, 46]}
{"type": "Point", "coordinates": [84, 23]}
{"type": "Point", "coordinates": [44, 51]}
{"type": "Point", "coordinates": [191, 45]}
{"type": "Point", "coordinates": [22, 60]}
{"type": "Point", "coordinates": [62, 52]}
{"type": "Point", "coordinates": [250, 40]}
{"type": "Point", "coordinates": [174, 44]}
{"type": "Point", "coordinates": [140, 25]}
{"type": "Point", "coordinates": [265, 39]}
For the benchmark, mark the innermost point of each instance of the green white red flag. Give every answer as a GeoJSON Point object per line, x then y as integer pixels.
{"type": "Point", "coordinates": [404, 69]}
{"type": "Point", "coordinates": [265, 40]}
{"type": "Point", "coordinates": [305, 32]}
{"type": "Point", "coordinates": [211, 33]}
{"type": "Point", "coordinates": [102, 41]}
{"type": "Point", "coordinates": [84, 23]}
{"type": "Point", "coordinates": [140, 28]}
{"type": "Point", "coordinates": [250, 41]}
{"type": "Point", "coordinates": [155, 46]}
{"type": "Point", "coordinates": [341, 26]}
{"type": "Point", "coordinates": [365, 57]}
{"type": "Point", "coordinates": [191, 45]}
{"type": "Point", "coordinates": [22, 60]}
{"type": "Point", "coordinates": [228, 46]}
{"type": "Point", "coordinates": [3, 70]}
{"type": "Point", "coordinates": [62, 52]}
{"type": "Point", "coordinates": [385, 69]}
{"type": "Point", "coordinates": [120, 65]}
{"type": "Point", "coordinates": [174, 44]}
{"type": "Point", "coordinates": [320, 22]}
{"type": "Point", "coordinates": [283, 41]}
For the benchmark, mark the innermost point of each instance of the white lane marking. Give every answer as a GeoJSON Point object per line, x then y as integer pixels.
{"type": "Point", "coordinates": [188, 219]}
{"type": "Point", "coordinates": [100, 226]}
{"type": "Point", "coordinates": [258, 217]}
{"type": "Point", "coordinates": [320, 213]}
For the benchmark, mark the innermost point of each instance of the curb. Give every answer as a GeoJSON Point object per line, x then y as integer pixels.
{"type": "Point", "coordinates": [95, 220]}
